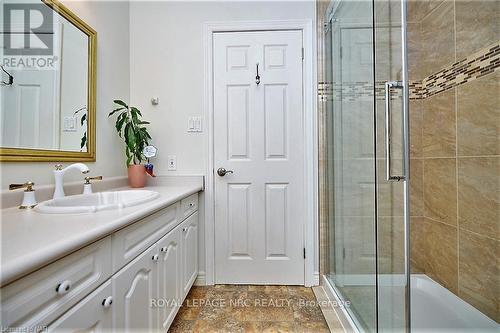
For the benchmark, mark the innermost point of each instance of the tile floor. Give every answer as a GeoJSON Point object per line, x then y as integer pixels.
{"type": "Point", "coordinates": [246, 309]}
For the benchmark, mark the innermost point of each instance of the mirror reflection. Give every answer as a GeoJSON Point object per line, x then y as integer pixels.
{"type": "Point", "coordinates": [44, 93]}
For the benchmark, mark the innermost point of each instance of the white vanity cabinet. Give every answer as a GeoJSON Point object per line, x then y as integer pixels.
{"type": "Point", "coordinates": [134, 280]}
{"type": "Point", "coordinates": [44, 295]}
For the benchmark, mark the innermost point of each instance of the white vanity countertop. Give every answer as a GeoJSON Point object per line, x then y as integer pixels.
{"type": "Point", "coordinates": [30, 240]}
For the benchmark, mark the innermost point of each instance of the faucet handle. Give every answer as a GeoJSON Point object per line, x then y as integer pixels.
{"type": "Point", "coordinates": [58, 166]}
{"type": "Point", "coordinates": [88, 179]}
{"type": "Point", "coordinates": [28, 185]}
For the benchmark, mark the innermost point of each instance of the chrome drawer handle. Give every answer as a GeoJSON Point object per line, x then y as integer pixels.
{"type": "Point", "coordinates": [164, 249]}
{"type": "Point", "coordinates": [155, 257]}
{"type": "Point", "coordinates": [63, 287]}
{"type": "Point", "coordinates": [191, 205]}
{"type": "Point", "coordinates": [107, 302]}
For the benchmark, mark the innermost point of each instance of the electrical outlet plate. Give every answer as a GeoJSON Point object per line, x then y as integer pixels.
{"type": "Point", "coordinates": [172, 162]}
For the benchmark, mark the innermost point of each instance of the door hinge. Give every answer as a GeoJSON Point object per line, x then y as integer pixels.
{"type": "Point", "coordinates": [304, 253]}
{"type": "Point", "coordinates": [302, 53]}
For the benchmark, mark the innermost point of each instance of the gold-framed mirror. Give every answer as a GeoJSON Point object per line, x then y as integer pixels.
{"type": "Point", "coordinates": [48, 83]}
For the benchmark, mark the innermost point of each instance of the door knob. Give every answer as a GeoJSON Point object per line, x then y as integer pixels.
{"type": "Point", "coordinates": [222, 172]}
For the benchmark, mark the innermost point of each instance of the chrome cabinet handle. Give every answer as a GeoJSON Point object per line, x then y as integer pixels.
{"type": "Point", "coordinates": [155, 257]}
{"type": "Point", "coordinates": [388, 86]}
{"type": "Point", "coordinates": [222, 172]}
{"type": "Point", "coordinates": [164, 249]}
{"type": "Point", "coordinates": [63, 287]}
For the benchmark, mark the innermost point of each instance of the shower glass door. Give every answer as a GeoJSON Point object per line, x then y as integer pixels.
{"type": "Point", "coordinates": [367, 162]}
{"type": "Point", "coordinates": [392, 180]}
{"type": "Point", "coordinates": [351, 159]}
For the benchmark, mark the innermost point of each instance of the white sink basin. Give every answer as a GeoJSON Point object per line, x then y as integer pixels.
{"type": "Point", "coordinates": [90, 203]}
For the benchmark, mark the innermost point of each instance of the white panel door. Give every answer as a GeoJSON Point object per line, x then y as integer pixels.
{"type": "Point", "coordinates": [134, 287]}
{"type": "Point", "coordinates": [29, 110]}
{"type": "Point", "coordinates": [258, 134]}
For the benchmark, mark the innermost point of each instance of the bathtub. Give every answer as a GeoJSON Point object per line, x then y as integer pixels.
{"type": "Point", "coordinates": [436, 309]}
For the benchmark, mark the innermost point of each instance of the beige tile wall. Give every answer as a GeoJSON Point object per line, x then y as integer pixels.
{"type": "Point", "coordinates": [455, 154]}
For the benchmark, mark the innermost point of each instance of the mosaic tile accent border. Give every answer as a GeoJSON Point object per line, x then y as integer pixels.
{"type": "Point", "coordinates": [477, 65]}
{"type": "Point", "coordinates": [354, 91]}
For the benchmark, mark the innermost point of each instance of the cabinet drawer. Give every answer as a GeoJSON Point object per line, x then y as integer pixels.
{"type": "Point", "coordinates": [41, 297]}
{"type": "Point", "coordinates": [189, 205]}
{"type": "Point", "coordinates": [93, 314]}
{"type": "Point", "coordinates": [131, 241]}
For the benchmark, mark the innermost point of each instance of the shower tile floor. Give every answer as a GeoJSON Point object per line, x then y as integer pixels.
{"type": "Point", "coordinates": [248, 308]}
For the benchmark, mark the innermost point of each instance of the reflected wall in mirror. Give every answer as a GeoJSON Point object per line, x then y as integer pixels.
{"type": "Point", "coordinates": [47, 93]}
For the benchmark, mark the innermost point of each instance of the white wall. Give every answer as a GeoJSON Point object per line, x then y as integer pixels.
{"type": "Point", "coordinates": [166, 59]}
{"type": "Point", "coordinates": [110, 20]}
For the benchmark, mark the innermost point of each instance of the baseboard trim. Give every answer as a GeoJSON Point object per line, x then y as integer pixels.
{"type": "Point", "coordinates": [316, 278]}
{"type": "Point", "coordinates": [200, 279]}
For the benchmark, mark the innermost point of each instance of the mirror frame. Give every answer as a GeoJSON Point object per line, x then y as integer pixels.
{"type": "Point", "coordinates": [44, 155]}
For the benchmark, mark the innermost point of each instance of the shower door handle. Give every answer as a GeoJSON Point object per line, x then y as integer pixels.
{"type": "Point", "coordinates": [388, 86]}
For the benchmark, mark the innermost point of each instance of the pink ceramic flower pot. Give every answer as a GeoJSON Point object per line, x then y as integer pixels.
{"type": "Point", "coordinates": [136, 175]}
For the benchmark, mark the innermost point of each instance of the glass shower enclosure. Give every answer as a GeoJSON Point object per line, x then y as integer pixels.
{"type": "Point", "coordinates": [368, 161]}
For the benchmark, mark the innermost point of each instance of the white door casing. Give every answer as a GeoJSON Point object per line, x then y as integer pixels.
{"type": "Point", "coordinates": [259, 134]}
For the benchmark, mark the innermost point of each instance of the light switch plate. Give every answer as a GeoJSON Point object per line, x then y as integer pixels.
{"type": "Point", "coordinates": [172, 162]}
{"type": "Point", "coordinates": [70, 124]}
{"type": "Point", "coordinates": [195, 125]}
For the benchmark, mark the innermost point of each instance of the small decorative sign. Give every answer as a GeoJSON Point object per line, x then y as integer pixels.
{"type": "Point", "coordinates": [150, 151]}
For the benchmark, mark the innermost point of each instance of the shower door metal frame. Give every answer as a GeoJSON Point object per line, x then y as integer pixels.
{"type": "Point", "coordinates": [406, 160]}
{"type": "Point", "coordinates": [405, 177]}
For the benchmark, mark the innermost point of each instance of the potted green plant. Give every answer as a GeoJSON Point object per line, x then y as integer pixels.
{"type": "Point", "coordinates": [130, 127]}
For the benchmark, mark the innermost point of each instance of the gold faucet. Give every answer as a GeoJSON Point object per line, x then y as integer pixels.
{"type": "Point", "coordinates": [29, 199]}
{"type": "Point", "coordinates": [88, 179]}
{"type": "Point", "coordinates": [28, 185]}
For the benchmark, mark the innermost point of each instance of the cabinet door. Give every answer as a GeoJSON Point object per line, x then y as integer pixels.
{"type": "Point", "coordinates": [134, 288]}
{"type": "Point", "coordinates": [189, 233]}
{"type": "Point", "coordinates": [169, 282]}
{"type": "Point", "coordinates": [92, 314]}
